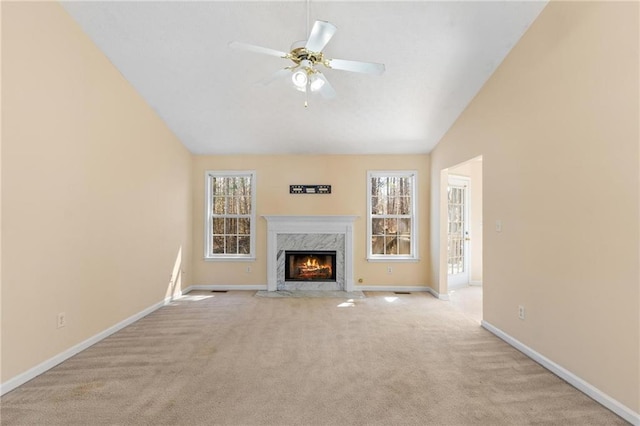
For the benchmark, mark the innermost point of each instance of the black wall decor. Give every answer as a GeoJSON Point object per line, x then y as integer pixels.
{"type": "Point", "coordinates": [309, 189]}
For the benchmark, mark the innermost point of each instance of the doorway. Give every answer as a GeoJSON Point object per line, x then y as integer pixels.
{"type": "Point", "coordinates": [458, 231]}
{"type": "Point", "coordinates": [462, 247]}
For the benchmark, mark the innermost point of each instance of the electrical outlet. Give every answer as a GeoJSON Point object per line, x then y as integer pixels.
{"type": "Point", "coordinates": [521, 312]}
{"type": "Point", "coordinates": [62, 319]}
{"type": "Point", "coordinates": [248, 269]}
{"type": "Point", "coordinates": [389, 270]}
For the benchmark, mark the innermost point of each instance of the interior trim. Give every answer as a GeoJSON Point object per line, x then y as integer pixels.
{"type": "Point", "coordinates": [32, 373]}
{"type": "Point", "coordinates": [229, 287]}
{"type": "Point", "coordinates": [577, 382]}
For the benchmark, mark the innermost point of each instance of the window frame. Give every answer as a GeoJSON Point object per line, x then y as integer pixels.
{"type": "Point", "coordinates": [413, 256]}
{"type": "Point", "coordinates": [208, 215]}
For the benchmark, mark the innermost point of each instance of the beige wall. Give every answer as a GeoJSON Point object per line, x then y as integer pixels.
{"type": "Point", "coordinates": [476, 221]}
{"type": "Point", "coordinates": [96, 197]}
{"type": "Point", "coordinates": [557, 126]}
{"type": "Point", "coordinates": [347, 175]}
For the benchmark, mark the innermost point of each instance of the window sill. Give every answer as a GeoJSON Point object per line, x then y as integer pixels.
{"type": "Point", "coordinates": [230, 259]}
{"type": "Point", "coordinates": [393, 259]}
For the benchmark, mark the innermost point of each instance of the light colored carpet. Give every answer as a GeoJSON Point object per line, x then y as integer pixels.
{"type": "Point", "coordinates": [237, 359]}
{"type": "Point", "coordinates": [468, 300]}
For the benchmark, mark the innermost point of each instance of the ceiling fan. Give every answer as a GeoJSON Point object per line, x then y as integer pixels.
{"type": "Point", "coordinates": [306, 55]}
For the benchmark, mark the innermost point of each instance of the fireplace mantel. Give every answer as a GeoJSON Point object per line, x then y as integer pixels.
{"type": "Point", "coordinates": [283, 224]}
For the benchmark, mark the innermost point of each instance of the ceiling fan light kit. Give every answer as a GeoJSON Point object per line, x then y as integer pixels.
{"type": "Point", "coordinates": [306, 56]}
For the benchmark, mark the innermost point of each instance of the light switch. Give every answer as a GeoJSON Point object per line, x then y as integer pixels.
{"type": "Point", "coordinates": [498, 226]}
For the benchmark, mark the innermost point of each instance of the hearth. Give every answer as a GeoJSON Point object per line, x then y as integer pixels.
{"type": "Point", "coordinates": [304, 265]}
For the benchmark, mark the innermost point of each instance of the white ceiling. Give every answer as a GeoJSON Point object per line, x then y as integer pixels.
{"type": "Point", "coordinates": [176, 55]}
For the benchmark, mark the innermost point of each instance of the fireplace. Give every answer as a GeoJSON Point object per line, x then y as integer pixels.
{"type": "Point", "coordinates": [311, 234]}
{"type": "Point", "coordinates": [303, 265]}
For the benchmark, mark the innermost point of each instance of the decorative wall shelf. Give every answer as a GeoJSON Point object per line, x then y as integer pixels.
{"type": "Point", "coordinates": [309, 189]}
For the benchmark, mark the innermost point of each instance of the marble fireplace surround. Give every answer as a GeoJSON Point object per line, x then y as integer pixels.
{"type": "Point", "coordinates": [309, 233]}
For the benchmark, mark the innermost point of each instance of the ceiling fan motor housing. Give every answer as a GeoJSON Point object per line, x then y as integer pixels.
{"type": "Point", "coordinates": [299, 54]}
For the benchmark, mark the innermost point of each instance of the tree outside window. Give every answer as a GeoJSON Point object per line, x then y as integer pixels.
{"type": "Point", "coordinates": [392, 215]}
{"type": "Point", "coordinates": [230, 214]}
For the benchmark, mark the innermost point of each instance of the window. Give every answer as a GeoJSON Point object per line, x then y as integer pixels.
{"type": "Point", "coordinates": [230, 215]}
{"type": "Point", "coordinates": [392, 225]}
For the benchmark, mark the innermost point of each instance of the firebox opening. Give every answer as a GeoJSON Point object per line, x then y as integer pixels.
{"type": "Point", "coordinates": [310, 265]}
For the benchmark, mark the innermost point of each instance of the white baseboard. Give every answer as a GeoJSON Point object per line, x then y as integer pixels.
{"type": "Point", "coordinates": [223, 287]}
{"type": "Point", "coordinates": [441, 296]}
{"type": "Point", "coordinates": [23, 378]}
{"type": "Point", "coordinates": [357, 288]}
{"type": "Point", "coordinates": [588, 389]}
{"type": "Point", "coordinates": [414, 288]}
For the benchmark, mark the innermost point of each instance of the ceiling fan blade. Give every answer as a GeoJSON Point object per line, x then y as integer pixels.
{"type": "Point", "coordinates": [356, 66]}
{"type": "Point", "coordinates": [320, 35]}
{"type": "Point", "coordinates": [327, 91]}
{"type": "Point", "coordinates": [276, 76]}
{"type": "Point", "coordinates": [257, 49]}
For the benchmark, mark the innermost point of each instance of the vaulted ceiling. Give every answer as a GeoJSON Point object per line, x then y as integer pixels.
{"type": "Point", "coordinates": [176, 55]}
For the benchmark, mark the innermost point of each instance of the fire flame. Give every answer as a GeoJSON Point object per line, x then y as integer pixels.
{"type": "Point", "coordinates": [312, 267]}
{"type": "Point", "coordinates": [312, 263]}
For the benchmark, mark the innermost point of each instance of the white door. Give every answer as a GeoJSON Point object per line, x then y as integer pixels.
{"type": "Point", "coordinates": [458, 232]}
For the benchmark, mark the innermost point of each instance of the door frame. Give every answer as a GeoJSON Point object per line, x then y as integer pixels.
{"type": "Point", "coordinates": [463, 279]}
